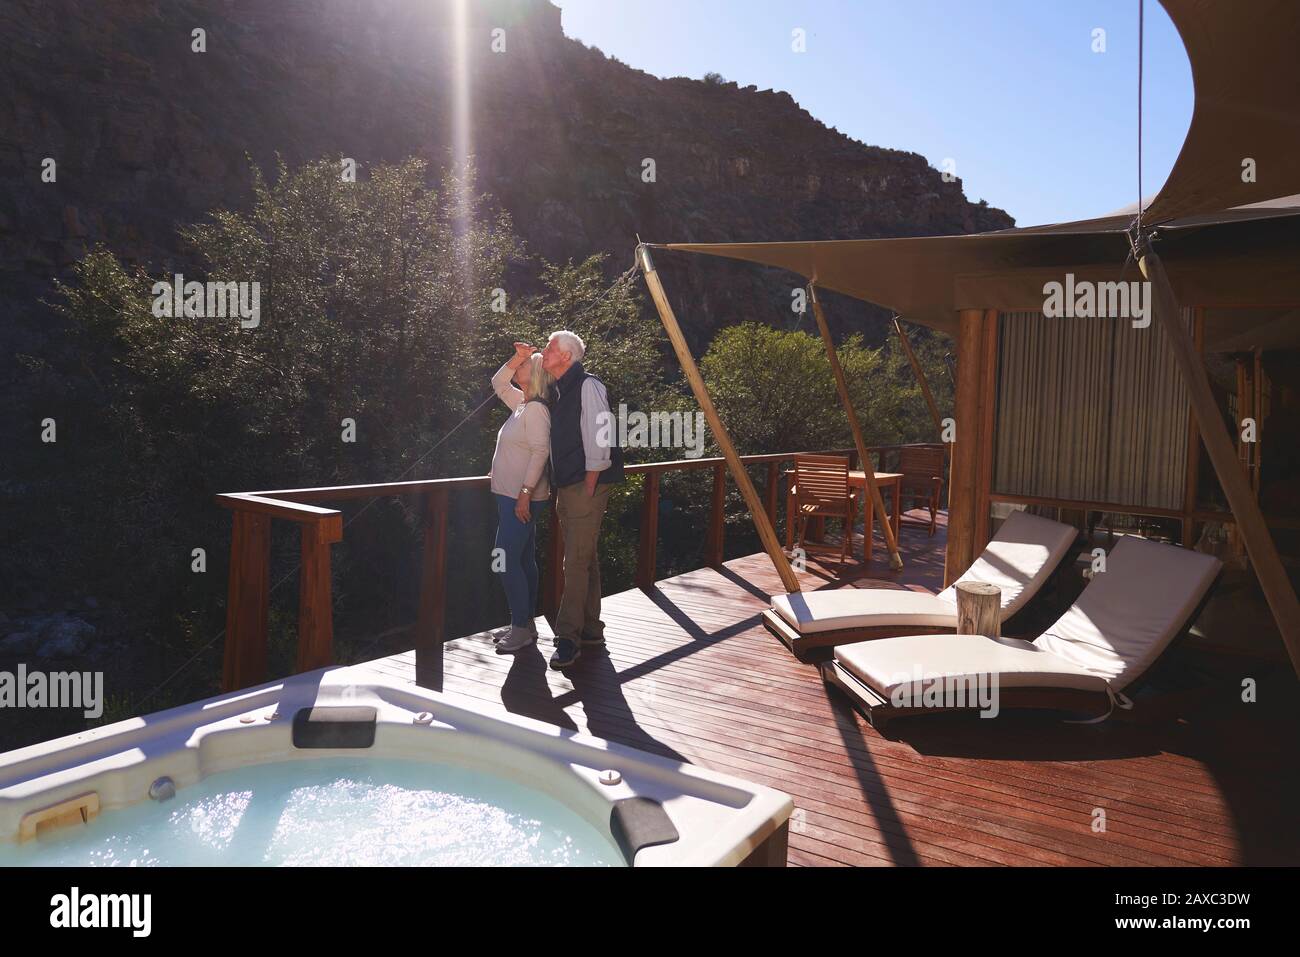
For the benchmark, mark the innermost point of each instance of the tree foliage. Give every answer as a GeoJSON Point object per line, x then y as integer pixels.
{"type": "Point", "coordinates": [776, 393]}
{"type": "Point", "coordinates": [389, 301]}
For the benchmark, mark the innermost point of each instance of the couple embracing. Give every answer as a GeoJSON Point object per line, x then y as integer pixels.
{"type": "Point", "coordinates": [553, 440]}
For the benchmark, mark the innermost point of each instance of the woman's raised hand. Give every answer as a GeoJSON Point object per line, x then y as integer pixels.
{"type": "Point", "coordinates": [522, 351]}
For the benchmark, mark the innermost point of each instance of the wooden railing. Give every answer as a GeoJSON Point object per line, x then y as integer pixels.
{"type": "Point", "coordinates": [1186, 517]}
{"type": "Point", "coordinates": [248, 597]}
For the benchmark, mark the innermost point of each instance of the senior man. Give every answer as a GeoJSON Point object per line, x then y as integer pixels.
{"type": "Point", "coordinates": [585, 463]}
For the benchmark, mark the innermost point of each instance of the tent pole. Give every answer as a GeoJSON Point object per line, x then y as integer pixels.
{"type": "Point", "coordinates": [766, 533]}
{"type": "Point", "coordinates": [969, 449]}
{"type": "Point", "coordinates": [1232, 477]}
{"type": "Point", "coordinates": [920, 378]}
{"type": "Point", "coordinates": [868, 470]}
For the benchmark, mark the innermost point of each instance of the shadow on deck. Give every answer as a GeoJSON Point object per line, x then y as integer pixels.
{"type": "Point", "coordinates": [690, 672]}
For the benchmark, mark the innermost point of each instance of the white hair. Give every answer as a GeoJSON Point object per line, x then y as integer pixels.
{"type": "Point", "coordinates": [539, 380]}
{"type": "Point", "coordinates": [571, 343]}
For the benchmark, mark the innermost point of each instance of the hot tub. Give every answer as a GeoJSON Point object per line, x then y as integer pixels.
{"type": "Point", "coordinates": [341, 766]}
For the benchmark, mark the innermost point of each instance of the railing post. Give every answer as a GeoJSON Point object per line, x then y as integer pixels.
{"type": "Point", "coordinates": [430, 628]}
{"type": "Point", "coordinates": [553, 581]}
{"type": "Point", "coordinates": [714, 542]}
{"type": "Point", "coordinates": [244, 662]}
{"type": "Point", "coordinates": [769, 492]}
{"type": "Point", "coordinates": [315, 600]}
{"type": "Point", "coordinates": [648, 533]}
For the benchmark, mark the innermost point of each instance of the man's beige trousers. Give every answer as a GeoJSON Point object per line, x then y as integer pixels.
{"type": "Point", "coordinates": [580, 517]}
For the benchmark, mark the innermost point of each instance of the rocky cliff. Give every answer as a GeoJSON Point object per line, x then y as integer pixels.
{"type": "Point", "coordinates": [146, 133]}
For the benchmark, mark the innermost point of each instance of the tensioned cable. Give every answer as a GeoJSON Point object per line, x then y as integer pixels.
{"type": "Point", "coordinates": [1141, 46]}
{"type": "Point", "coordinates": [1135, 230]}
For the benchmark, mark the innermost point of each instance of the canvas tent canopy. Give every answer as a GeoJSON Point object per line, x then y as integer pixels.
{"type": "Point", "coordinates": [1254, 252]}
{"type": "Point", "coordinates": [1246, 76]}
{"type": "Point", "coordinates": [1226, 221]}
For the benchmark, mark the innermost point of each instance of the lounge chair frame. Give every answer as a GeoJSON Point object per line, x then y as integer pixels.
{"type": "Point", "coordinates": [879, 711]}
{"type": "Point", "coordinates": [818, 646]}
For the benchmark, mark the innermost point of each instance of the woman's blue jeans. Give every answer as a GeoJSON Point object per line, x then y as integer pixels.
{"type": "Point", "coordinates": [518, 543]}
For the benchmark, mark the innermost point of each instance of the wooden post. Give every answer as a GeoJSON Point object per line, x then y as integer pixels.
{"type": "Point", "coordinates": [963, 475]}
{"type": "Point", "coordinates": [1193, 442]}
{"type": "Point", "coordinates": [769, 491]}
{"type": "Point", "coordinates": [713, 547]}
{"type": "Point", "coordinates": [1258, 414]}
{"type": "Point", "coordinates": [648, 533]}
{"type": "Point", "coordinates": [1245, 410]}
{"type": "Point", "coordinates": [1272, 575]}
{"type": "Point", "coordinates": [430, 627]}
{"type": "Point", "coordinates": [920, 378]}
{"type": "Point", "coordinates": [766, 533]}
{"type": "Point", "coordinates": [979, 609]}
{"type": "Point", "coordinates": [247, 596]}
{"type": "Point", "coordinates": [988, 399]}
{"type": "Point", "coordinates": [1245, 407]}
{"type": "Point", "coordinates": [315, 599]}
{"type": "Point", "coordinates": [868, 468]}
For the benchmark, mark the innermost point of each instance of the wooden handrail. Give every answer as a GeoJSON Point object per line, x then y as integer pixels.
{"type": "Point", "coordinates": [248, 592]}
{"type": "Point", "coordinates": [1149, 511]}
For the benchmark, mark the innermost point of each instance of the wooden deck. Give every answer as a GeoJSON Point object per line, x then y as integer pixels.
{"type": "Point", "coordinates": [690, 672]}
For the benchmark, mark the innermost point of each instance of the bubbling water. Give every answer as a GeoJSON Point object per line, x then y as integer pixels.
{"type": "Point", "coordinates": [334, 811]}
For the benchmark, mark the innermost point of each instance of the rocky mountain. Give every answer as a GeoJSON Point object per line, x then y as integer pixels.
{"type": "Point", "coordinates": [145, 132]}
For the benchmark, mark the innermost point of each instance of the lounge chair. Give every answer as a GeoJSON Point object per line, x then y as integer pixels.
{"type": "Point", "coordinates": [1108, 639]}
{"type": "Point", "coordinates": [1020, 558]}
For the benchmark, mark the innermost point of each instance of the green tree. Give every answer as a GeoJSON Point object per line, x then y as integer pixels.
{"type": "Point", "coordinates": [379, 303]}
{"type": "Point", "coordinates": [775, 392]}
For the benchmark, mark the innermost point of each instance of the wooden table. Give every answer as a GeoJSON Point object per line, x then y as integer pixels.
{"type": "Point", "coordinates": [891, 480]}
{"type": "Point", "coordinates": [857, 479]}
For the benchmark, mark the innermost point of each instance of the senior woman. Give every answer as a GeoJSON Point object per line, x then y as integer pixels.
{"type": "Point", "coordinates": [520, 486]}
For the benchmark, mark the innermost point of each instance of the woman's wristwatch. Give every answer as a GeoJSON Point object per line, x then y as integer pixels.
{"type": "Point", "coordinates": [526, 491]}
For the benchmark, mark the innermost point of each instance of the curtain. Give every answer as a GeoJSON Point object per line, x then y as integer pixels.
{"type": "Point", "coordinates": [1089, 409]}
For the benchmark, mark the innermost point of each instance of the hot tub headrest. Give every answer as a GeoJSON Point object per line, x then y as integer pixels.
{"type": "Point", "coordinates": [352, 726]}
{"type": "Point", "coordinates": [638, 822]}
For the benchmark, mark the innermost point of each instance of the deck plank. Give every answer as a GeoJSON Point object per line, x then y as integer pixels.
{"type": "Point", "coordinates": [689, 672]}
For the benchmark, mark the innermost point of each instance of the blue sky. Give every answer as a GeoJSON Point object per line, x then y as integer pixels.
{"type": "Point", "coordinates": [1011, 90]}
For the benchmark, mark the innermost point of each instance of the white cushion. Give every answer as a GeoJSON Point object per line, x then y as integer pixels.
{"type": "Point", "coordinates": [1120, 625]}
{"type": "Point", "coordinates": [1019, 559]}
{"type": "Point", "coordinates": [913, 662]}
{"type": "Point", "coordinates": [811, 612]}
{"type": "Point", "coordinates": [1129, 613]}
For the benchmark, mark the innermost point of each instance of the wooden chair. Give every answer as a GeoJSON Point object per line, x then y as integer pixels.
{"type": "Point", "coordinates": [922, 479]}
{"type": "Point", "coordinates": [822, 491]}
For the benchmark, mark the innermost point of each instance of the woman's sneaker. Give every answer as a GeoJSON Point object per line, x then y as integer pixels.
{"type": "Point", "coordinates": [518, 638]}
{"type": "Point", "coordinates": [566, 653]}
